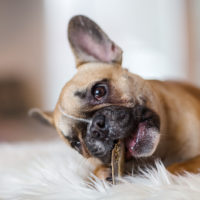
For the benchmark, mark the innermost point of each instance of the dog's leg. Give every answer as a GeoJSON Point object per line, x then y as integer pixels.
{"type": "Point", "coordinates": [192, 165]}
{"type": "Point", "coordinates": [103, 173]}
{"type": "Point", "coordinates": [100, 170]}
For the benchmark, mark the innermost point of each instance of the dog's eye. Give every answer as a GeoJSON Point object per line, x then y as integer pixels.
{"type": "Point", "coordinates": [76, 144]}
{"type": "Point", "coordinates": [99, 91]}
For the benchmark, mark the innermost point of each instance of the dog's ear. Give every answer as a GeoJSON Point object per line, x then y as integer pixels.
{"type": "Point", "coordinates": [90, 44]}
{"type": "Point", "coordinates": [44, 117]}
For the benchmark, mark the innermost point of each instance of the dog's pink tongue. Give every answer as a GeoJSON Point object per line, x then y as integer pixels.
{"type": "Point", "coordinates": [131, 142]}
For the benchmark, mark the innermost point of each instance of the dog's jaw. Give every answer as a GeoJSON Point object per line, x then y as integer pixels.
{"type": "Point", "coordinates": [143, 142]}
{"type": "Point", "coordinates": [139, 128]}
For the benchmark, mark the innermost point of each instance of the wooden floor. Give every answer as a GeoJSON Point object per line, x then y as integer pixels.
{"type": "Point", "coordinates": [25, 129]}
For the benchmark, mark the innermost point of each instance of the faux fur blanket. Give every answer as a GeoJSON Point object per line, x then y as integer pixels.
{"type": "Point", "coordinates": [52, 171]}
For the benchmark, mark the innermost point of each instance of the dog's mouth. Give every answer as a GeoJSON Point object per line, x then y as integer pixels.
{"type": "Point", "coordinates": [142, 142]}
{"type": "Point", "coordinates": [138, 127]}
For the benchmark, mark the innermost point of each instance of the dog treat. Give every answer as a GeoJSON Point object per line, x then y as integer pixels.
{"type": "Point", "coordinates": [117, 160]}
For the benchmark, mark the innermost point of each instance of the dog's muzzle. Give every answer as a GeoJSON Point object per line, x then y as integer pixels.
{"type": "Point", "coordinates": [138, 127]}
{"type": "Point", "coordinates": [108, 125]}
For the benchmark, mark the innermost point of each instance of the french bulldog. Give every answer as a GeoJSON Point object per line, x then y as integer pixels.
{"type": "Point", "coordinates": [104, 103]}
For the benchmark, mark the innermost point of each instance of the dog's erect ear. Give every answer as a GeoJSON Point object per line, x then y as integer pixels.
{"type": "Point", "coordinates": [90, 44]}
{"type": "Point", "coordinates": [44, 117]}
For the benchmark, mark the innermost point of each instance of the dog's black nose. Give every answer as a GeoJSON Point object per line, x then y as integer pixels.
{"type": "Point", "coordinates": [112, 122]}
{"type": "Point", "coordinates": [99, 122]}
{"type": "Point", "coordinates": [98, 128]}
{"type": "Point", "coordinates": [97, 140]}
{"type": "Point", "coordinates": [108, 125]}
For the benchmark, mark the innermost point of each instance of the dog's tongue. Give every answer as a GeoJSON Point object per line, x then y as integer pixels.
{"type": "Point", "coordinates": [136, 136]}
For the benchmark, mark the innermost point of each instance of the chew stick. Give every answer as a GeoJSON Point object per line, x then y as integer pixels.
{"type": "Point", "coordinates": [117, 160]}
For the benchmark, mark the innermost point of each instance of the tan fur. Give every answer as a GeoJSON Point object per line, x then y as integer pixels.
{"type": "Point", "coordinates": [178, 108]}
{"type": "Point", "coordinates": [177, 104]}
{"type": "Point", "coordinates": [191, 165]}
{"type": "Point", "coordinates": [181, 132]}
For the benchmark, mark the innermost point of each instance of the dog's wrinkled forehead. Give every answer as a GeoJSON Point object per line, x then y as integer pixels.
{"type": "Point", "coordinates": [91, 72]}
{"type": "Point", "coordinates": [76, 94]}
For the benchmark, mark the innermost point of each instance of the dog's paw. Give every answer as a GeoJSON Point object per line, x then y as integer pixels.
{"type": "Point", "coordinates": [103, 173]}
{"type": "Point", "coordinates": [191, 165]}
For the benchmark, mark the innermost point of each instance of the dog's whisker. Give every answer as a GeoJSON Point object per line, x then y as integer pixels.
{"type": "Point", "coordinates": [73, 117]}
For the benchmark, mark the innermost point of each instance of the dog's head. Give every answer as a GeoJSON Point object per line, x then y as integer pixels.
{"type": "Point", "coordinates": [104, 102]}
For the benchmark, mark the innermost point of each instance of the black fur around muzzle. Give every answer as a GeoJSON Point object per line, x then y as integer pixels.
{"type": "Point", "coordinates": [112, 123]}
{"type": "Point", "coordinates": [108, 125]}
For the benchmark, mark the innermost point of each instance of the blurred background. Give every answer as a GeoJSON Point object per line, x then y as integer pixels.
{"type": "Point", "coordinates": [160, 39]}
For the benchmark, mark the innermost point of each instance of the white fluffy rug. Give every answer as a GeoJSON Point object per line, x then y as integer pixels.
{"type": "Point", "coordinates": [52, 171]}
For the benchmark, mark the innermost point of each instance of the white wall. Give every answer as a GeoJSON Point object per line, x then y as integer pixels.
{"type": "Point", "coordinates": [151, 33]}
{"type": "Point", "coordinates": [195, 17]}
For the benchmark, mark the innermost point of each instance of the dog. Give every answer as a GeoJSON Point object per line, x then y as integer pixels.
{"type": "Point", "coordinates": [104, 102]}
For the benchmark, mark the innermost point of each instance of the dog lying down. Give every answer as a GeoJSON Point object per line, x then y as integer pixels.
{"type": "Point", "coordinates": [117, 119]}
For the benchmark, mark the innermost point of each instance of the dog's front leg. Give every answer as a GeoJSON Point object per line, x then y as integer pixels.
{"type": "Point", "coordinates": [192, 165]}
{"type": "Point", "coordinates": [100, 170]}
{"type": "Point", "coordinates": [103, 173]}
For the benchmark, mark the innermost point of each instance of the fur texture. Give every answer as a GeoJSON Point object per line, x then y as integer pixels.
{"type": "Point", "coordinates": [52, 171]}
